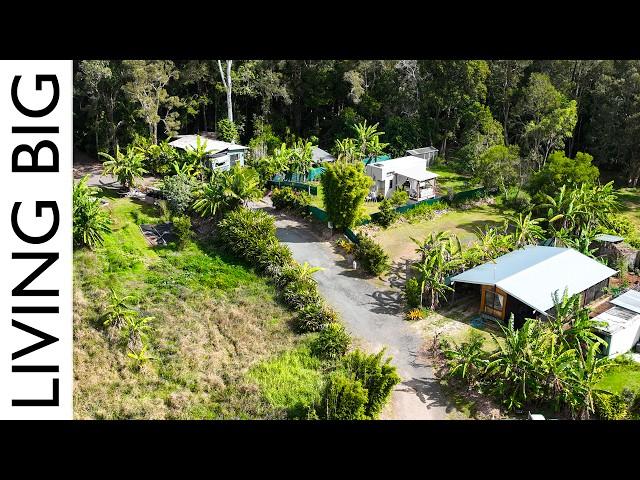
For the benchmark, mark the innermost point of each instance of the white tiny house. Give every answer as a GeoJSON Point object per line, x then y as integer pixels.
{"type": "Point", "coordinates": [404, 173]}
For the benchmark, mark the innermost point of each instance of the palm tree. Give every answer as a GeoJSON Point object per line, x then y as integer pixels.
{"type": "Point", "coordinates": [367, 140]}
{"type": "Point", "coordinates": [125, 167]}
{"type": "Point", "coordinates": [228, 190]}
{"type": "Point", "coordinates": [346, 151]}
{"type": "Point", "coordinates": [301, 157]}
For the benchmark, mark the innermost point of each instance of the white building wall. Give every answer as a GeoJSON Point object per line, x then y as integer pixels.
{"type": "Point", "coordinates": [625, 339]}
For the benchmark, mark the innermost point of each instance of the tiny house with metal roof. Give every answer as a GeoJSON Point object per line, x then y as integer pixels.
{"type": "Point", "coordinates": [619, 326]}
{"type": "Point", "coordinates": [220, 155]}
{"type": "Point", "coordinates": [524, 282]}
{"type": "Point", "coordinates": [405, 173]}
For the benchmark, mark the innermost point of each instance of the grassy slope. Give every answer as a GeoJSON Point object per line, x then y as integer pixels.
{"type": "Point", "coordinates": [447, 178]}
{"type": "Point", "coordinates": [215, 320]}
{"type": "Point", "coordinates": [630, 200]}
{"type": "Point", "coordinates": [621, 376]}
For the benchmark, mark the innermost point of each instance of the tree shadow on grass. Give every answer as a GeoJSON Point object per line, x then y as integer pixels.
{"type": "Point", "coordinates": [472, 227]}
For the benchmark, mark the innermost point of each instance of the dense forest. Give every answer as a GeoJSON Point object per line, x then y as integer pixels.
{"type": "Point", "coordinates": [462, 107]}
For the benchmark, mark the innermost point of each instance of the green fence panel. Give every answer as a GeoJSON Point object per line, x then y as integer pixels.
{"type": "Point", "coordinates": [318, 213]}
{"type": "Point", "coordinates": [351, 235]}
{"type": "Point", "coordinates": [469, 194]}
{"type": "Point", "coordinates": [303, 187]}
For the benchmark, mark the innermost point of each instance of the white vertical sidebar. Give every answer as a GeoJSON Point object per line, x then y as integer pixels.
{"type": "Point", "coordinates": [36, 326]}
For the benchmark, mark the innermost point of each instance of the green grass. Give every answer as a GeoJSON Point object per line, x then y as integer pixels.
{"type": "Point", "coordinates": [396, 240]}
{"type": "Point", "coordinates": [621, 376]}
{"type": "Point", "coordinates": [630, 200]}
{"type": "Point", "coordinates": [214, 320]}
{"type": "Point", "coordinates": [447, 178]}
{"type": "Point", "coordinates": [290, 380]}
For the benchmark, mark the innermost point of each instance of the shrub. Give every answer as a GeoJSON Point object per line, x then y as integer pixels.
{"type": "Point", "coordinates": [399, 198]}
{"type": "Point", "coordinates": [371, 256]}
{"type": "Point", "coordinates": [611, 407]}
{"type": "Point", "coordinates": [247, 233]}
{"type": "Point", "coordinates": [343, 398]}
{"type": "Point", "coordinates": [313, 317]}
{"type": "Point", "coordinates": [332, 342]}
{"type": "Point", "coordinates": [415, 314]}
{"type": "Point", "coordinates": [178, 190]}
{"type": "Point", "coordinates": [378, 377]}
{"type": "Point", "coordinates": [273, 259]}
{"type": "Point", "coordinates": [387, 214]}
{"type": "Point", "coordinates": [90, 221]}
{"type": "Point", "coordinates": [182, 229]}
{"type": "Point", "coordinates": [347, 245]}
{"type": "Point", "coordinates": [227, 131]}
{"type": "Point", "coordinates": [412, 292]}
{"type": "Point", "coordinates": [289, 199]}
{"type": "Point", "coordinates": [299, 293]}
{"type": "Point", "coordinates": [423, 211]}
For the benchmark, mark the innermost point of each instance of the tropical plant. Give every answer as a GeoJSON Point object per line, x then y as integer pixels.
{"type": "Point", "coordinates": [367, 141]}
{"type": "Point", "coordinates": [90, 221]}
{"type": "Point", "coordinates": [227, 190]}
{"type": "Point", "coordinates": [182, 229]}
{"type": "Point", "coordinates": [137, 330]}
{"type": "Point", "coordinates": [345, 187]}
{"type": "Point", "coordinates": [179, 190]}
{"type": "Point", "coordinates": [119, 312]}
{"type": "Point", "coordinates": [126, 167]}
{"type": "Point", "coordinates": [289, 199]}
{"type": "Point", "coordinates": [387, 213]}
{"type": "Point", "coordinates": [313, 317]}
{"type": "Point", "coordinates": [139, 357]}
{"type": "Point", "coordinates": [343, 398]}
{"type": "Point", "coordinates": [301, 158]}
{"type": "Point", "coordinates": [227, 131]}
{"type": "Point", "coordinates": [468, 360]}
{"type": "Point", "coordinates": [526, 231]}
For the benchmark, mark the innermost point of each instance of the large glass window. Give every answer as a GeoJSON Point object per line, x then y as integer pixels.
{"type": "Point", "coordinates": [493, 300]}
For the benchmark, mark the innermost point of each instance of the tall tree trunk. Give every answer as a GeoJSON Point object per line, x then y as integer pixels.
{"type": "Point", "coordinates": [226, 82]}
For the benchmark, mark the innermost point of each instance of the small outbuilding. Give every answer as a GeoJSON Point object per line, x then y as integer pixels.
{"type": "Point", "coordinates": [523, 282]}
{"type": "Point", "coordinates": [620, 324]}
{"type": "Point", "coordinates": [319, 156]}
{"type": "Point", "coordinates": [428, 153]}
{"type": "Point", "coordinates": [221, 155]}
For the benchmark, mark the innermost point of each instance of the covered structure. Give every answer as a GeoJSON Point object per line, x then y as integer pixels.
{"type": "Point", "coordinates": [428, 153]}
{"type": "Point", "coordinates": [221, 155]}
{"type": "Point", "coordinates": [319, 156]}
{"type": "Point", "coordinates": [620, 324]}
{"type": "Point", "coordinates": [524, 282]}
{"type": "Point", "coordinates": [404, 173]}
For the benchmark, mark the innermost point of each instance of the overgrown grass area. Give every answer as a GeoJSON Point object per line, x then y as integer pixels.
{"type": "Point", "coordinates": [623, 374]}
{"type": "Point", "coordinates": [214, 322]}
{"type": "Point", "coordinates": [396, 240]}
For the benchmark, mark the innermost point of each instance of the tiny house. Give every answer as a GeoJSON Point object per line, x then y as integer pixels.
{"type": "Point", "coordinates": [427, 153]}
{"type": "Point", "coordinates": [620, 324]}
{"type": "Point", "coordinates": [220, 155]}
{"type": "Point", "coordinates": [404, 173]}
{"type": "Point", "coordinates": [524, 282]}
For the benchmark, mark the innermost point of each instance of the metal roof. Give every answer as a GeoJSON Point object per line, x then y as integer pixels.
{"type": "Point", "coordinates": [421, 151]}
{"type": "Point", "coordinates": [534, 273]}
{"type": "Point", "coordinates": [629, 300]}
{"type": "Point", "coordinates": [616, 319]}
{"type": "Point", "coordinates": [319, 155]}
{"type": "Point", "coordinates": [605, 237]}
{"type": "Point", "coordinates": [213, 146]}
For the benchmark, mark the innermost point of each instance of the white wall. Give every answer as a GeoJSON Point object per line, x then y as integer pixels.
{"type": "Point", "coordinates": [625, 339]}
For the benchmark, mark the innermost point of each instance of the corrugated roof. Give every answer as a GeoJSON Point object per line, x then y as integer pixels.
{"type": "Point", "coordinates": [616, 319]}
{"type": "Point", "coordinates": [534, 273]}
{"type": "Point", "coordinates": [319, 155]}
{"type": "Point", "coordinates": [604, 237]}
{"type": "Point", "coordinates": [213, 146]}
{"type": "Point", "coordinates": [629, 300]}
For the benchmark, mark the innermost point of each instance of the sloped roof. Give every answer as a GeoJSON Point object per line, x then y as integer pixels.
{"type": "Point", "coordinates": [534, 273]}
{"type": "Point", "coordinates": [213, 146]}
{"type": "Point", "coordinates": [629, 300]}
{"type": "Point", "coordinates": [318, 155]}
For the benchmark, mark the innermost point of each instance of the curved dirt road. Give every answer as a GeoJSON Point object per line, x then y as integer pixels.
{"type": "Point", "coordinates": [373, 314]}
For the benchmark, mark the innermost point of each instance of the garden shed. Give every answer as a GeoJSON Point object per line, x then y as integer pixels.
{"type": "Point", "coordinates": [621, 323]}
{"type": "Point", "coordinates": [523, 282]}
{"type": "Point", "coordinates": [427, 153]}
{"type": "Point", "coordinates": [404, 173]}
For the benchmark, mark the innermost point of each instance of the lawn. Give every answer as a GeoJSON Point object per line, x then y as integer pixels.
{"type": "Point", "coordinates": [447, 178]}
{"type": "Point", "coordinates": [396, 240]}
{"type": "Point", "coordinates": [623, 374]}
{"type": "Point", "coordinates": [215, 320]}
{"type": "Point", "coordinates": [630, 200]}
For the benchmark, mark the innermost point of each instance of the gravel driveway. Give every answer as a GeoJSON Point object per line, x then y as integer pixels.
{"type": "Point", "coordinates": [372, 313]}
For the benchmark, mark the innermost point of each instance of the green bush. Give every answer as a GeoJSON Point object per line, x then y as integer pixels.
{"type": "Point", "coordinates": [273, 259]}
{"type": "Point", "coordinates": [611, 407]}
{"type": "Point", "coordinates": [289, 199]}
{"type": "Point", "coordinates": [247, 233]}
{"type": "Point", "coordinates": [378, 377]}
{"type": "Point", "coordinates": [300, 293]}
{"type": "Point", "coordinates": [423, 211]}
{"type": "Point", "coordinates": [313, 317]}
{"type": "Point", "coordinates": [399, 198]}
{"type": "Point", "coordinates": [343, 398]}
{"type": "Point", "coordinates": [227, 131]}
{"type": "Point", "coordinates": [387, 214]}
{"type": "Point", "coordinates": [178, 191]}
{"type": "Point", "coordinates": [412, 292]}
{"type": "Point", "coordinates": [332, 342]}
{"type": "Point", "coordinates": [90, 221]}
{"type": "Point", "coordinates": [371, 256]}
{"type": "Point", "coordinates": [345, 186]}
{"type": "Point", "coordinates": [182, 229]}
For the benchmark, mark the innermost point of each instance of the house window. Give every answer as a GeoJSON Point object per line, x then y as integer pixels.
{"type": "Point", "coordinates": [493, 300]}
{"type": "Point", "coordinates": [391, 183]}
{"type": "Point", "coordinates": [234, 159]}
